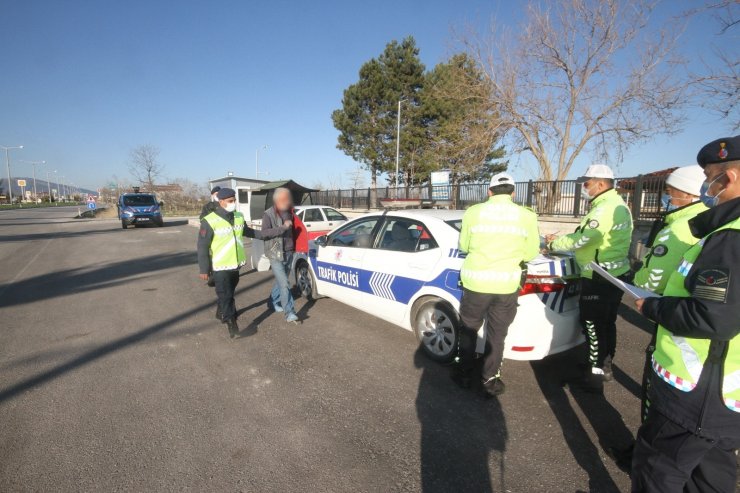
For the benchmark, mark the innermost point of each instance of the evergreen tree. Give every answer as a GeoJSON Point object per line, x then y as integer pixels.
{"type": "Point", "coordinates": [367, 119]}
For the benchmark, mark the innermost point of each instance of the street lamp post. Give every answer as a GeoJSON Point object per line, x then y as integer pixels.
{"type": "Point", "coordinates": [58, 187]}
{"type": "Point", "coordinates": [34, 164]}
{"type": "Point", "coordinates": [48, 184]}
{"type": "Point", "coordinates": [257, 161]}
{"type": "Point", "coordinates": [398, 141]}
{"type": "Point", "coordinates": [7, 164]}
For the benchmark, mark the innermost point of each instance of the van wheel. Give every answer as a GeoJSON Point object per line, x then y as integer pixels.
{"type": "Point", "coordinates": [437, 328]}
{"type": "Point", "coordinates": [124, 225]}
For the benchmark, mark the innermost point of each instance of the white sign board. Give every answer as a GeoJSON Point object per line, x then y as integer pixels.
{"type": "Point", "coordinates": [440, 185]}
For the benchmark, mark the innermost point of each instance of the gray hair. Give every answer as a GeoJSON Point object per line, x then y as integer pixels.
{"type": "Point", "coordinates": [280, 191]}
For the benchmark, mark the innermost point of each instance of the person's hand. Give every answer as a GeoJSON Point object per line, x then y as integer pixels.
{"type": "Point", "coordinates": [639, 303]}
{"type": "Point", "coordinates": [288, 223]}
{"type": "Point", "coordinates": [550, 238]}
{"type": "Point", "coordinates": [203, 277]}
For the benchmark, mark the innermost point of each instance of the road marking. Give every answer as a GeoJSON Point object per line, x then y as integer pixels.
{"type": "Point", "coordinates": [168, 232]}
{"type": "Point", "coordinates": [28, 264]}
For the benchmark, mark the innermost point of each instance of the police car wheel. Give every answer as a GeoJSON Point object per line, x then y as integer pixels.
{"type": "Point", "coordinates": [124, 225]}
{"type": "Point", "coordinates": [436, 326]}
{"type": "Point", "coordinates": [304, 280]}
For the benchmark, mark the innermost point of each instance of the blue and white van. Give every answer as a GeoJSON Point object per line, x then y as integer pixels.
{"type": "Point", "coordinates": [139, 208]}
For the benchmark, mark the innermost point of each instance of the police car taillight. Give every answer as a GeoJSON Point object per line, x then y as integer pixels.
{"type": "Point", "coordinates": [538, 284]}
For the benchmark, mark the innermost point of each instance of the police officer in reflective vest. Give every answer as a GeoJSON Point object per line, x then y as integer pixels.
{"type": "Point", "coordinates": [221, 247]}
{"type": "Point", "coordinates": [692, 430]}
{"type": "Point", "coordinates": [498, 237]}
{"type": "Point", "coordinates": [669, 239]}
{"type": "Point", "coordinates": [604, 236]}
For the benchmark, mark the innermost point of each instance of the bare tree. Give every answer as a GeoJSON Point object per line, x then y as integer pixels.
{"type": "Point", "coordinates": [719, 84]}
{"type": "Point", "coordinates": [356, 177]}
{"type": "Point", "coordinates": [581, 75]}
{"type": "Point", "coordinates": [144, 165]}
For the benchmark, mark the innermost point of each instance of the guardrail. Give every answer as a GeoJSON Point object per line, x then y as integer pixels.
{"type": "Point", "coordinates": [552, 198]}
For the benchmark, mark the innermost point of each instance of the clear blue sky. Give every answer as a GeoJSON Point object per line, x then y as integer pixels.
{"type": "Point", "coordinates": [84, 81]}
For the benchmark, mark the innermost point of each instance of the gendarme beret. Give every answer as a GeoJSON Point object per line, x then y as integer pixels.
{"type": "Point", "coordinates": [225, 193]}
{"type": "Point", "coordinates": [215, 189]}
{"type": "Point", "coordinates": [719, 151]}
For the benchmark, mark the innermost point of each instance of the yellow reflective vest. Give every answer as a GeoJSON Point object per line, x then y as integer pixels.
{"type": "Point", "coordinates": [667, 250]}
{"type": "Point", "coordinates": [679, 361]}
{"type": "Point", "coordinates": [604, 236]}
{"type": "Point", "coordinates": [497, 236]}
{"type": "Point", "coordinates": [227, 247]}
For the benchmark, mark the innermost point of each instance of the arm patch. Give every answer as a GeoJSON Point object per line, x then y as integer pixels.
{"type": "Point", "coordinates": [593, 224]}
{"type": "Point", "coordinates": [711, 284]}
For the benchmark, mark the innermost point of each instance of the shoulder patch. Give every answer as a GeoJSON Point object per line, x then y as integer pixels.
{"type": "Point", "coordinates": [660, 250]}
{"type": "Point", "coordinates": [711, 284]}
{"type": "Point", "coordinates": [593, 224]}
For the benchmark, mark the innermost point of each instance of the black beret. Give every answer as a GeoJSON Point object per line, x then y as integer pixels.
{"type": "Point", "coordinates": [215, 189]}
{"type": "Point", "coordinates": [719, 151]}
{"type": "Point", "coordinates": [225, 193]}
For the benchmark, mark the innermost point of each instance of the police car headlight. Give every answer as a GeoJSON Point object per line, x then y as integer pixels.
{"type": "Point", "coordinates": [128, 213]}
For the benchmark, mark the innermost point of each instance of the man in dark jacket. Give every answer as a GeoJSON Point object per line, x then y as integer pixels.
{"type": "Point", "coordinates": [279, 249]}
{"type": "Point", "coordinates": [692, 431]}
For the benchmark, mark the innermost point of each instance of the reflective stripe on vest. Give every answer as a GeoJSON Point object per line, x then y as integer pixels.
{"type": "Point", "coordinates": [672, 379]}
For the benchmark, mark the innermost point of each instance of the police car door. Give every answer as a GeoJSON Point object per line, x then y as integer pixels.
{"type": "Point", "coordinates": [337, 267]}
{"type": "Point", "coordinates": [404, 257]}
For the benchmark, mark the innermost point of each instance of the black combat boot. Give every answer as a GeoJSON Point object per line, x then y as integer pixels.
{"type": "Point", "coordinates": [494, 386]}
{"type": "Point", "coordinates": [233, 328]}
{"type": "Point", "coordinates": [219, 317]}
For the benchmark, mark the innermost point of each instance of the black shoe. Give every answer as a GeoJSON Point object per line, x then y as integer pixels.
{"type": "Point", "coordinates": [218, 314]}
{"type": "Point", "coordinates": [494, 386]}
{"type": "Point", "coordinates": [233, 328]}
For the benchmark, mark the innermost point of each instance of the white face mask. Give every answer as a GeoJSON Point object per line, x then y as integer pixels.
{"type": "Point", "coordinates": [230, 207]}
{"type": "Point", "coordinates": [585, 194]}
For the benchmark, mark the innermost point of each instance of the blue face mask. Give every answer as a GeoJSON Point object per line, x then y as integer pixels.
{"type": "Point", "coordinates": [665, 203]}
{"type": "Point", "coordinates": [710, 200]}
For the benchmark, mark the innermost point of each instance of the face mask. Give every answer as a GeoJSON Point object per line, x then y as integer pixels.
{"type": "Point", "coordinates": [584, 193]}
{"type": "Point", "coordinates": [230, 207]}
{"type": "Point", "coordinates": [666, 204]}
{"type": "Point", "coordinates": [711, 200]}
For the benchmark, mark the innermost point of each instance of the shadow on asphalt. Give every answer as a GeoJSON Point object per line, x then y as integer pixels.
{"type": "Point", "coordinates": [111, 347]}
{"type": "Point", "coordinates": [459, 431]}
{"type": "Point", "coordinates": [54, 235]}
{"type": "Point", "coordinates": [80, 280]}
{"type": "Point", "coordinates": [632, 317]}
{"type": "Point", "coordinates": [552, 375]}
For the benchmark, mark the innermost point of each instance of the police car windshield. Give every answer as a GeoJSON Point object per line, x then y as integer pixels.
{"type": "Point", "coordinates": [138, 200]}
{"type": "Point", "coordinates": [455, 223]}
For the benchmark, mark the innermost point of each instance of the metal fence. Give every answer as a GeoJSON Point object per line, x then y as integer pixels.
{"type": "Point", "coordinates": [551, 198]}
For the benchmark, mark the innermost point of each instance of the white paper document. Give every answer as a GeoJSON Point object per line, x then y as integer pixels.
{"type": "Point", "coordinates": [633, 292]}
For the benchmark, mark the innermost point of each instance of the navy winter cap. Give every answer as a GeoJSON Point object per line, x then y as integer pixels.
{"type": "Point", "coordinates": [225, 193]}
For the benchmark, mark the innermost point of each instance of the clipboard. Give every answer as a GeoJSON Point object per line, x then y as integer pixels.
{"type": "Point", "coordinates": [633, 292]}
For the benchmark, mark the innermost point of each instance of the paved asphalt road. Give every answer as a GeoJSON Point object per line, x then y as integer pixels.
{"type": "Point", "coordinates": [114, 375]}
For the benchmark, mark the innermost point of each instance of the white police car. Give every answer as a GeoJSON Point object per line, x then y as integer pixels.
{"type": "Point", "coordinates": [404, 267]}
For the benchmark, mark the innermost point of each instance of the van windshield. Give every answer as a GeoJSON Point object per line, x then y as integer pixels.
{"type": "Point", "coordinates": [135, 200]}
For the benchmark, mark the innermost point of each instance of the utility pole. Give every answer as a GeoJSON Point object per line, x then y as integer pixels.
{"type": "Point", "coordinates": [34, 164]}
{"type": "Point", "coordinates": [398, 142]}
{"type": "Point", "coordinates": [7, 164]}
{"type": "Point", "coordinates": [257, 161]}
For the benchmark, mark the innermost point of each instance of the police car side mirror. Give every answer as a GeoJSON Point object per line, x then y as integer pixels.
{"type": "Point", "coordinates": [322, 240]}
{"type": "Point", "coordinates": [161, 203]}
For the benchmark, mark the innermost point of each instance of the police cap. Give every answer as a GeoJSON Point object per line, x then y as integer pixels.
{"type": "Point", "coordinates": [225, 193]}
{"type": "Point", "coordinates": [720, 151]}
